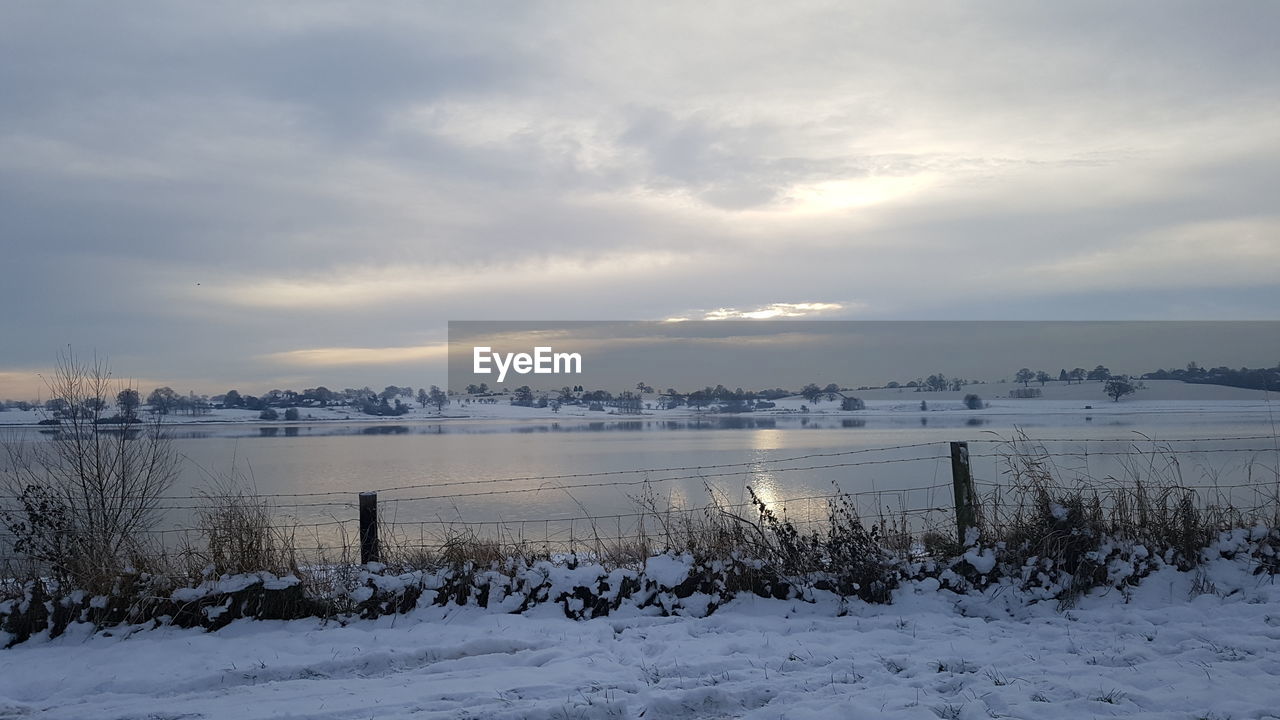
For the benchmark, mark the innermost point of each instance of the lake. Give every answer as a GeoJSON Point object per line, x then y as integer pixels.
{"type": "Point", "coordinates": [533, 475]}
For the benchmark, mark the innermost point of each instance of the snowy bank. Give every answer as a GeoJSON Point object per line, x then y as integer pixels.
{"type": "Point", "coordinates": [1180, 645]}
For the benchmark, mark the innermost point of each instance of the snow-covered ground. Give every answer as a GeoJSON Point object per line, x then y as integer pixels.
{"type": "Point", "coordinates": [1180, 646]}
{"type": "Point", "coordinates": [1059, 399]}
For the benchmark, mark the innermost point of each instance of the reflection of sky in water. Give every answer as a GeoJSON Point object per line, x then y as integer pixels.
{"type": "Point", "coordinates": [453, 462]}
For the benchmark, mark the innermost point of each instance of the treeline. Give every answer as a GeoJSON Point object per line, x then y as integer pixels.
{"type": "Point", "coordinates": [1251, 378]}
{"type": "Point", "coordinates": [719, 397]}
{"type": "Point", "coordinates": [934, 383]}
{"type": "Point", "coordinates": [632, 401]}
{"type": "Point", "coordinates": [391, 401]}
{"type": "Point", "coordinates": [1099, 373]}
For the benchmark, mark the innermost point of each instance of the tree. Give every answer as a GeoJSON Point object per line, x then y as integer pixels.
{"type": "Point", "coordinates": [79, 503]}
{"type": "Point", "coordinates": [1043, 377]}
{"type": "Point", "coordinates": [128, 400]}
{"type": "Point", "coordinates": [698, 399]}
{"type": "Point", "coordinates": [1063, 377]}
{"type": "Point", "coordinates": [973, 402]}
{"type": "Point", "coordinates": [438, 397]}
{"type": "Point", "coordinates": [1118, 387]}
{"type": "Point", "coordinates": [291, 414]}
{"type": "Point", "coordinates": [1079, 374]}
{"type": "Point", "coordinates": [162, 400]}
{"type": "Point", "coordinates": [1024, 376]}
{"type": "Point", "coordinates": [423, 398]}
{"type": "Point", "coordinates": [522, 396]}
{"type": "Point", "coordinates": [810, 392]}
{"type": "Point", "coordinates": [322, 395]}
{"type": "Point", "coordinates": [628, 403]}
{"type": "Point", "coordinates": [1099, 373]}
{"type": "Point", "coordinates": [268, 413]}
{"type": "Point", "coordinates": [232, 399]}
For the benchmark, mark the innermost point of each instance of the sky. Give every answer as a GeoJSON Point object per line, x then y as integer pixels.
{"type": "Point", "coordinates": [261, 195]}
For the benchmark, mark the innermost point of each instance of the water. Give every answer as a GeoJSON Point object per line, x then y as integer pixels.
{"type": "Point", "coordinates": [514, 472]}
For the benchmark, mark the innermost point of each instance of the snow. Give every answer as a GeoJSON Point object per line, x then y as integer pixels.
{"type": "Point", "coordinates": [983, 561]}
{"type": "Point", "coordinates": [232, 584]}
{"type": "Point", "coordinates": [668, 570]}
{"type": "Point", "coordinates": [1180, 645]}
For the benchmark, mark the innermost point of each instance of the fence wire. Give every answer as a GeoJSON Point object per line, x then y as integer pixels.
{"type": "Point", "coordinates": [899, 514]}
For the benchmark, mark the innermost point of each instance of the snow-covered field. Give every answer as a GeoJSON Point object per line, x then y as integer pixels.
{"type": "Point", "coordinates": [1180, 646]}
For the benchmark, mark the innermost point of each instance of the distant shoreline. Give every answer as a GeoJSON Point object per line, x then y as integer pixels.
{"type": "Point", "coordinates": [1158, 397]}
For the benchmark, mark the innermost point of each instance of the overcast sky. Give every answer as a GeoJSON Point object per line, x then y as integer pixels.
{"type": "Point", "coordinates": [265, 195]}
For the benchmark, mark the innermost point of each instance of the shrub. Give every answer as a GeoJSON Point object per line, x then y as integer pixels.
{"type": "Point", "coordinates": [81, 502]}
{"type": "Point", "coordinates": [268, 414]}
{"type": "Point", "coordinates": [847, 559]}
{"type": "Point", "coordinates": [973, 402]}
{"type": "Point", "coordinates": [240, 535]}
{"type": "Point", "coordinates": [291, 414]}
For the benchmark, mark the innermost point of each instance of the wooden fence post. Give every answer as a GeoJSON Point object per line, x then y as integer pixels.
{"type": "Point", "coordinates": [962, 486]}
{"type": "Point", "coordinates": [369, 550]}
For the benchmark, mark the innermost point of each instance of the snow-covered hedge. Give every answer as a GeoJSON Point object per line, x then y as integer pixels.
{"type": "Point", "coordinates": [668, 584]}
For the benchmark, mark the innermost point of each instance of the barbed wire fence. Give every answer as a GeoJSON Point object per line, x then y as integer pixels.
{"type": "Point", "coordinates": [407, 521]}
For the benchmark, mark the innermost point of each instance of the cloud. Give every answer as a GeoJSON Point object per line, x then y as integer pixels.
{"type": "Point", "coordinates": [330, 357]}
{"type": "Point", "coordinates": [388, 172]}
{"type": "Point", "coordinates": [20, 384]}
{"type": "Point", "coordinates": [773, 311]}
{"type": "Point", "coordinates": [368, 287]}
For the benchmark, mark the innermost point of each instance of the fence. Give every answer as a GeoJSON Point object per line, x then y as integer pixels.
{"type": "Point", "coordinates": [368, 524]}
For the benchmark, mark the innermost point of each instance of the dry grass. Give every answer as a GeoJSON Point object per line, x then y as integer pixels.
{"type": "Point", "coordinates": [242, 534]}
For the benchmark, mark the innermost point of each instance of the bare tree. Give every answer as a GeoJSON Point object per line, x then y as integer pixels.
{"type": "Point", "coordinates": [81, 500]}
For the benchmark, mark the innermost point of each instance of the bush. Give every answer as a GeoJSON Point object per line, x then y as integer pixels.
{"type": "Point", "coordinates": [81, 502]}
{"type": "Point", "coordinates": [291, 414]}
{"type": "Point", "coordinates": [973, 402]}
{"type": "Point", "coordinates": [848, 559]}
{"type": "Point", "coordinates": [268, 414]}
{"type": "Point", "coordinates": [241, 537]}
